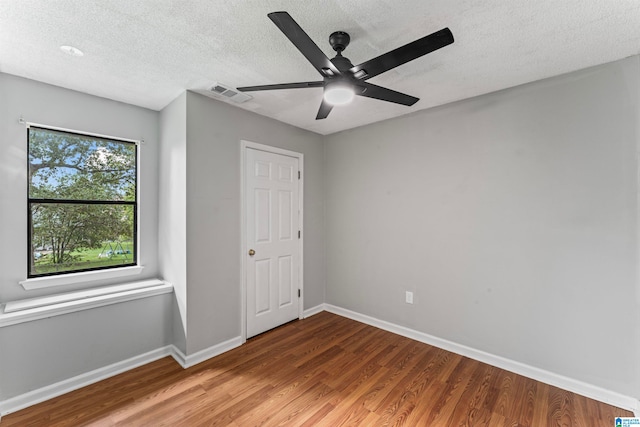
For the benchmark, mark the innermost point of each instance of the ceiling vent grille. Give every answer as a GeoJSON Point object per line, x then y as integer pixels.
{"type": "Point", "coordinates": [230, 93]}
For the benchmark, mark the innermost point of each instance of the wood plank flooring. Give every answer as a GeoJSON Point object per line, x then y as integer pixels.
{"type": "Point", "coordinates": [323, 371]}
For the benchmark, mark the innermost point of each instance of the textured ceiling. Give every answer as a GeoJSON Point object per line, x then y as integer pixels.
{"type": "Point", "coordinates": [147, 52]}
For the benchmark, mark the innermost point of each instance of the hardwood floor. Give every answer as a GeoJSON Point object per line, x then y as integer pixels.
{"type": "Point", "coordinates": [323, 371]}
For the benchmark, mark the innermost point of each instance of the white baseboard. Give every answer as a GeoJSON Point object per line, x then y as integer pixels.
{"type": "Point", "coordinates": [206, 354]}
{"type": "Point", "coordinates": [569, 384]}
{"type": "Point", "coordinates": [49, 392]}
{"type": "Point", "coordinates": [313, 310]}
{"type": "Point", "coordinates": [45, 393]}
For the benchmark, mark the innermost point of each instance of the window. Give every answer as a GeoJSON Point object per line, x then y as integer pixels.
{"type": "Point", "coordinates": [82, 202]}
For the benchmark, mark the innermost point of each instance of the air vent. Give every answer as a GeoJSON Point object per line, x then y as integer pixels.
{"type": "Point", "coordinates": [230, 93]}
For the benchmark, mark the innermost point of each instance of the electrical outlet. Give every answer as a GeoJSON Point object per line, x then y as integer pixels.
{"type": "Point", "coordinates": [409, 297]}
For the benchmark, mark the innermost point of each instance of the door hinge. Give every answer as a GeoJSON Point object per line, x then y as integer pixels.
{"type": "Point", "coordinates": [298, 234]}
{"type": "Point", "coordinates": [298, 174]}
{"type": "Point", "coordinates": [298, 293]}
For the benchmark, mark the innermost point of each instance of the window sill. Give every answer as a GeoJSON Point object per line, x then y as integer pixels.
{"type": "Point", "coordinates": [27, 310]}
{"type": "Point", "coordinates": [72, 278]}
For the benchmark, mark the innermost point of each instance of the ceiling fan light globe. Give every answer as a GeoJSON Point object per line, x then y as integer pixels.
{"type": "Point", "coordinates": [338, 94]}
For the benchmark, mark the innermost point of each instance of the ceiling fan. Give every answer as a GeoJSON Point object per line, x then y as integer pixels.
{"type": "Point", "coordinates": [341, 80]}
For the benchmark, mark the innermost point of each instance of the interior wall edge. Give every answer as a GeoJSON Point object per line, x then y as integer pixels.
{"type": "Point", "coordinates": [187, 361]}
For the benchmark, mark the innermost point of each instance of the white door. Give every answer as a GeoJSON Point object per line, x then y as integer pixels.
{"type": "Point", "coordinates": [272, 231]}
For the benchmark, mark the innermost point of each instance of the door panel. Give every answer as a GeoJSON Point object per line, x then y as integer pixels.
{"type": "Point", "coordinates": [262, 215]}
{"type": "Point", "coordinates": [286, 210]}
{"type": "Point", "coordinates": [285, 273]}
{"type": "Point", "coordinates": [263, 286]}
{"type": "Point", "coordinates": [272, 215]}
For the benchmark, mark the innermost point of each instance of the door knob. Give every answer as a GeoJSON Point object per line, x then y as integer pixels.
{"type": "Point", "coordinates": [252, 252]}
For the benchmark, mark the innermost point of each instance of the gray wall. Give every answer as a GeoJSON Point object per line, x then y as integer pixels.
{"type": "Point", "coordinates": [54, 106]}
{"type": "Point", "coordinates": [511, 216]}
{"type": "Point", "coordinates": [189, 211]}
{"type": "Point", "coordinates": [37, 353]}
{"type": "Point", "coordinates": [214, 132]}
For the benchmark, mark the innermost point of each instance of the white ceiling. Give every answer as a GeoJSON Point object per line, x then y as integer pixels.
{"type": "Point", "coordinates": [147, 52]}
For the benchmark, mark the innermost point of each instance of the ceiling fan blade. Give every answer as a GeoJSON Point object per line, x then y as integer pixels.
{"type": "Point", "coordinates": [384, 94]}
{"type": "Point", "coordinates": [303, 42]}
{"type": "Point", "coordinates": [300, 85]}
{"type": "Point", "coordinates": [402, 55]}
{"type": "Point", "coordinates": [325, 109]}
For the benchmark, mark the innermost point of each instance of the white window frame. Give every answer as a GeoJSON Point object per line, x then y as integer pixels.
{"type": "Point", "coordinates": [93, 275]}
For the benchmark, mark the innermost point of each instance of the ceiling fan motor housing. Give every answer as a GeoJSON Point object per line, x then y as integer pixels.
{"type": "Point", "coordinates": [339, 40]}
{"type": "Point", "coordinates": [343, 64]}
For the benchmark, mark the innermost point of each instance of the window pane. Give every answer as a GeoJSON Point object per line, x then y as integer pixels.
{"type": "Point", "coordinates": [80, 167]}
{"type": "Point", "coordinates": [71, 237]}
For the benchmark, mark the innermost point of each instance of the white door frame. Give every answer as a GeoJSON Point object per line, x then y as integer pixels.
{"type": "Point", "coordinates": [243, 227]}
